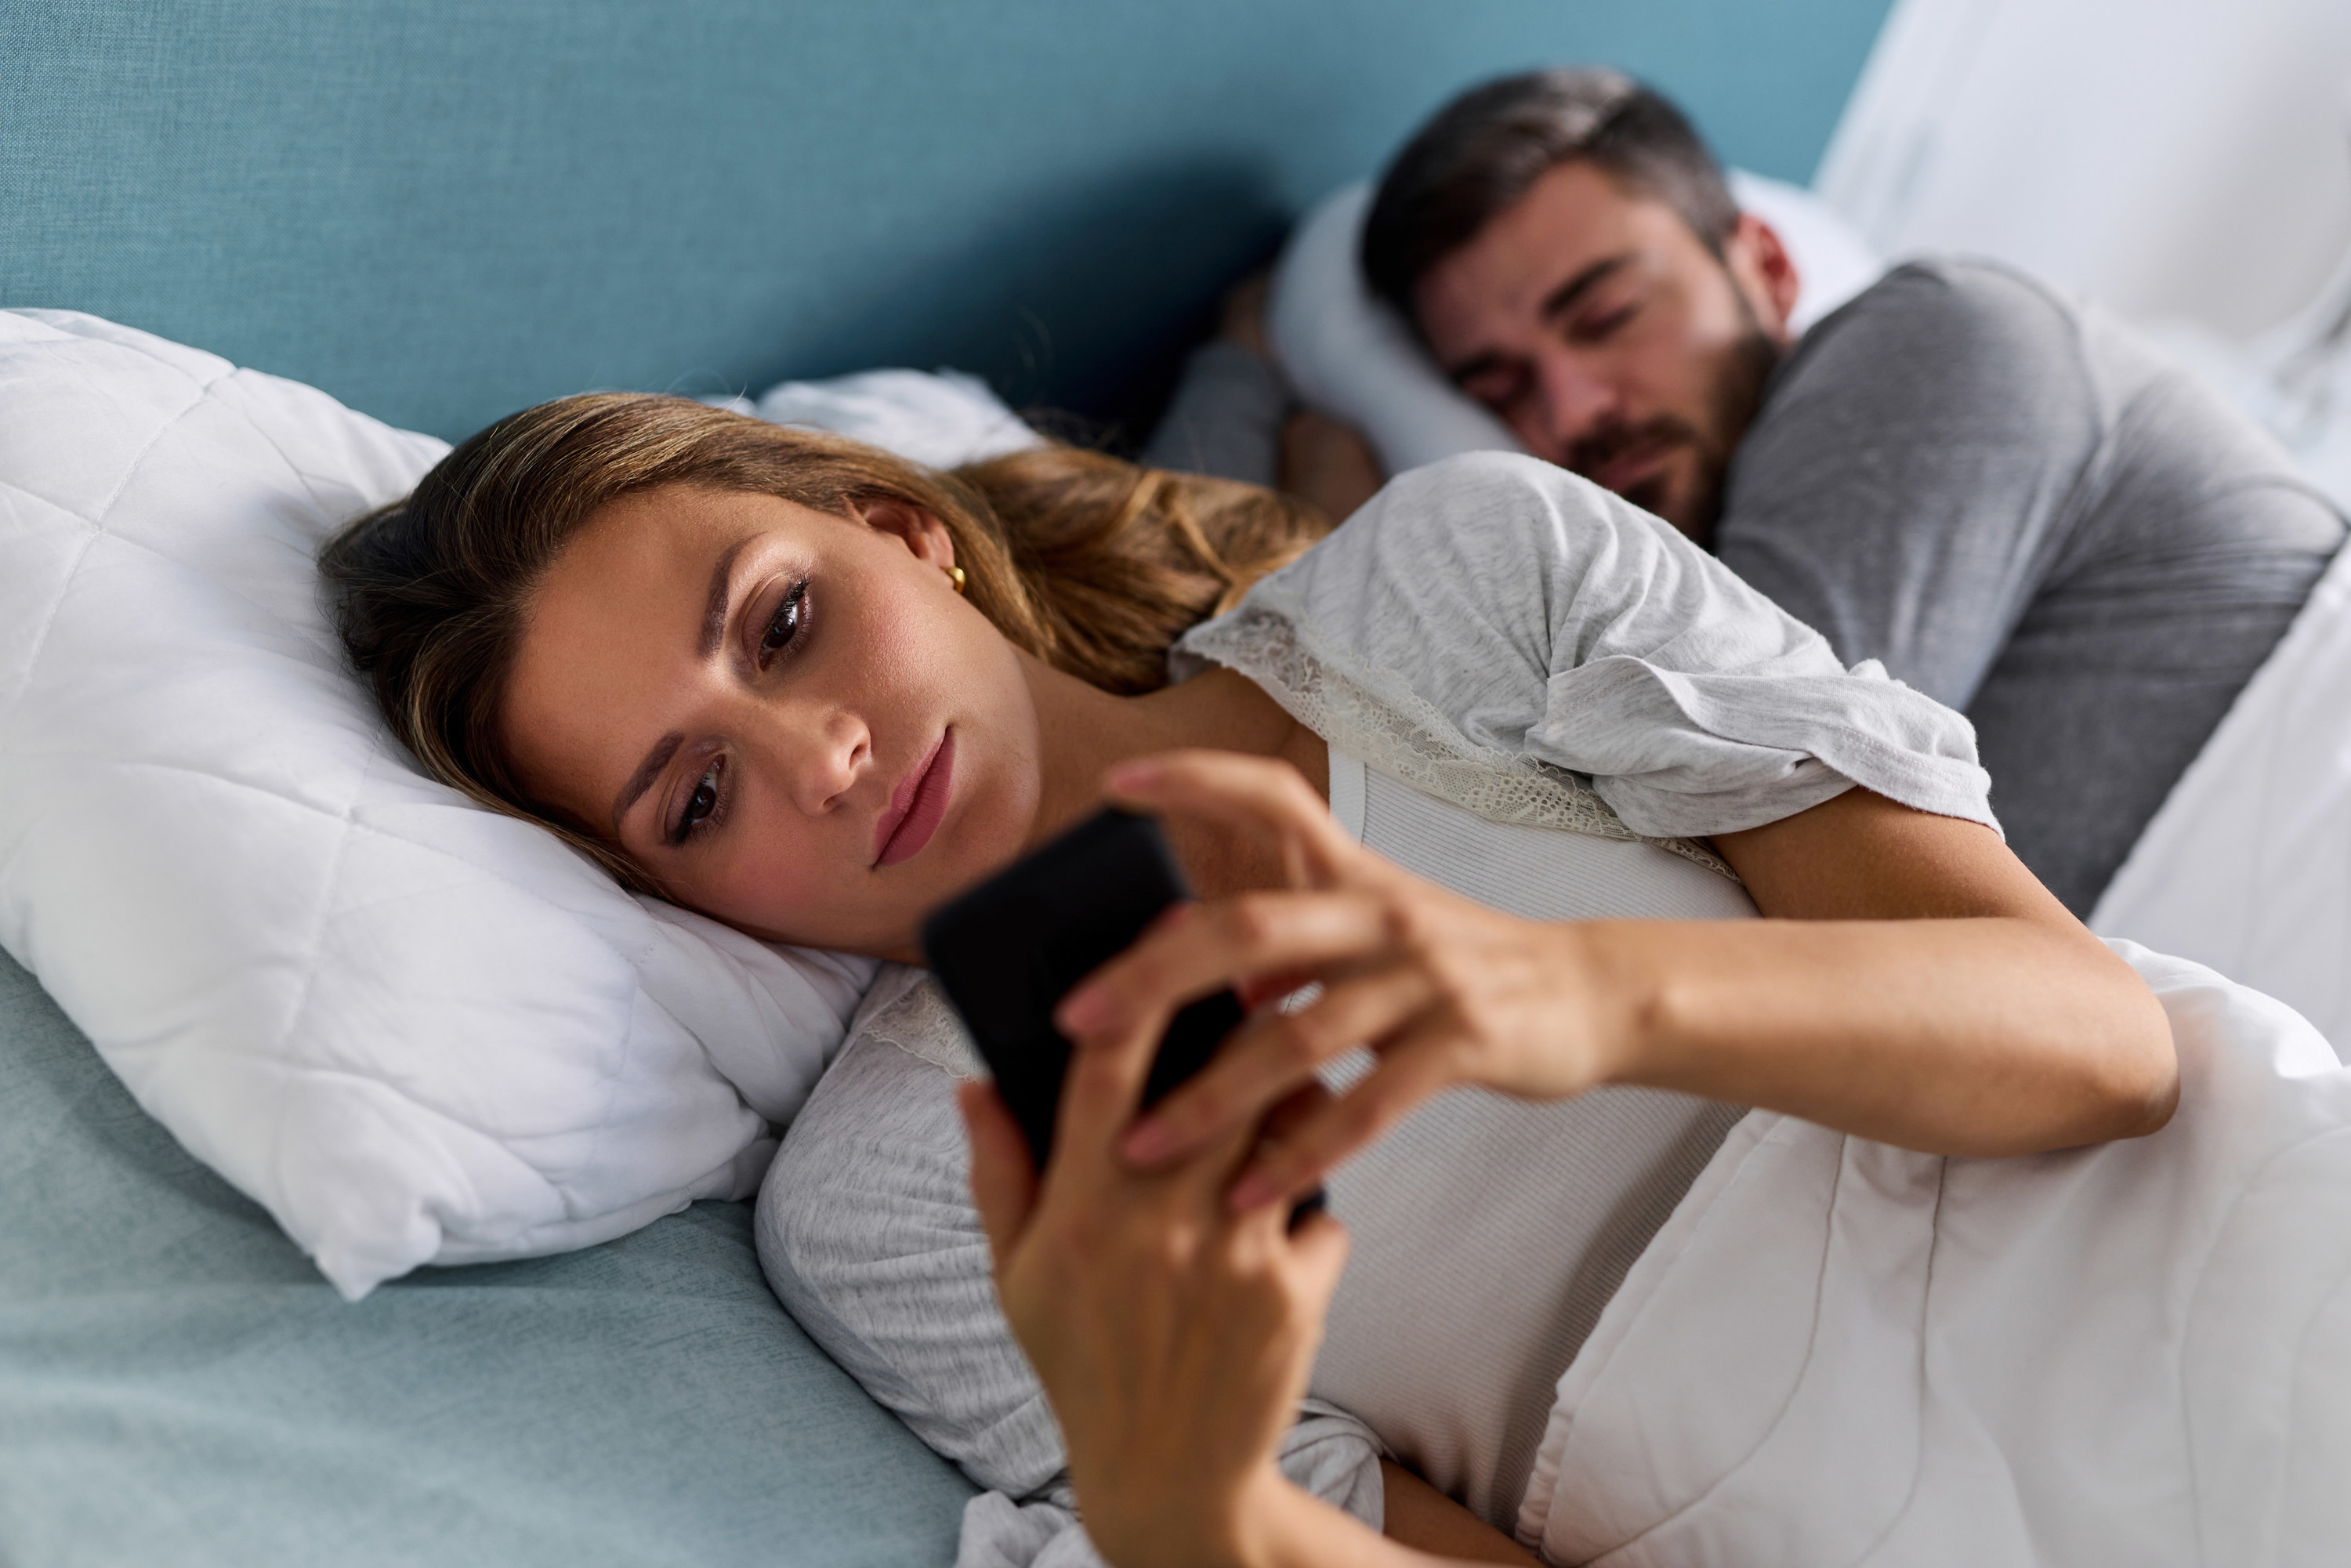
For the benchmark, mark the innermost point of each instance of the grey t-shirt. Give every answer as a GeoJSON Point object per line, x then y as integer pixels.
{"type": "Point", "coordinates": [2030, 516]}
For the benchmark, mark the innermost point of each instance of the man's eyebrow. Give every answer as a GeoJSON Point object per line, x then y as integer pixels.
{"type": "Point", "coordinates": [642, 779]}
{"type": "Point", "coordinates": [714, 615]}
{"type": "Point", "coordinates": [1555, 304]}
{"type": "Point", "coordinates": [1562, 299]}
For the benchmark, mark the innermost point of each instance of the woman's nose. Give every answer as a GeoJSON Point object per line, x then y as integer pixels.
{"type": "Point", "coordinates": [822, 757]}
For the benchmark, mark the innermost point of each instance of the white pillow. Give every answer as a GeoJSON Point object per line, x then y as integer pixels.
{"type": "Point", "coordinates": [1351, 356]}
{"type": "Point", "coordinates": [416, 1031]}
{"type": "Point", "coordinates": [941, 418]}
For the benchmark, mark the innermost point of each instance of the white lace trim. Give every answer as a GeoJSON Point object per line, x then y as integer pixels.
{"type": "Point", "coordinates": [924, 1024]}
{"type": "Point", "coordinates": [1372, 714]}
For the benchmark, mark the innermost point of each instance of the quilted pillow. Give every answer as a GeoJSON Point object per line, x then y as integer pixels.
{"type": "Point", "coordinates": [416, 1031]}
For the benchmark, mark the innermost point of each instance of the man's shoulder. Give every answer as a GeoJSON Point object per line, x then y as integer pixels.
{"type": "Point", "coordinates": [1943, 314]}
{"type": "Point", "coordinates": [1938, 358]}
{"type": "Point", "coordinates": [1968, 283]}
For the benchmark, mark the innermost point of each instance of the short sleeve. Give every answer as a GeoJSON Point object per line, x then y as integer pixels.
{"type": "Point", "coordinates": [1551, 621]}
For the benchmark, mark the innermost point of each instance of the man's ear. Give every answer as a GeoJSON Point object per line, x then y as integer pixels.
{"type": "Point", "coordinates": [911, 526]}
{"type": "Point", "coordinates": [1764, 271]}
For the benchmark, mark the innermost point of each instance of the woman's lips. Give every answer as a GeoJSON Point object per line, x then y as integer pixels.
{"type": "Point", "coordinates": [918, 805]}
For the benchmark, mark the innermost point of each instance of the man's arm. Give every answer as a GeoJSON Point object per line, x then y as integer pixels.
{"type": "Point", "coordinates": [1226, 417]}
{"type": "Point", "coordinates": [1234, 416]}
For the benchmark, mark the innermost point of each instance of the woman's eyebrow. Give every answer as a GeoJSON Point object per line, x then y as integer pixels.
{"type": "Point", "coordinates": [714, 631]}
{"type": "Point", "coordinates": [642, 779]}
{"type": "Point", "coordinates": [714, 615]}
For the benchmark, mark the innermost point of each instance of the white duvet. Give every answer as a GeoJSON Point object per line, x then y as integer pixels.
{"type": "Point", "coordinates": [1842, 1353]}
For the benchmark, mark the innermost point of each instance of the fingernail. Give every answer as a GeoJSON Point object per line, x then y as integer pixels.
{"type": "Point", "coordinates": [1252, 1191]}
{"type": "Point", "coordinates": [1139, 773]}
{"type": "Point", "coordinates": [1146, 1141]}
{"type": "Point", "coordinates": [1083, 1011]}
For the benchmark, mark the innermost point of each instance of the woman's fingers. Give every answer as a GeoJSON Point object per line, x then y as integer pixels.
{"type": "Point", "coordinates": [1100, 1092]}
{"type": "Point", "coordinates": [1273, 1054]}
{"type": "Point", "coordinates": [1003, 1183]}
{"type": "Point", "coordinates": [1293, 1110]}
{"type": "Point", "coordinates": [1202, 948]}
{"type": "Point", "coordinates": [1250, 794]}
{"type": "Point", "coordinates": [1414, 1066]}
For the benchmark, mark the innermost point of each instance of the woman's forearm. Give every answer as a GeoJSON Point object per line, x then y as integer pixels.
{"type": "Point", "coordinates": [1987, 1036]}
{"type": "Point", "coordinates": [1284, 1527]}
{"type": "Point", "coordinates": [1910, 983]}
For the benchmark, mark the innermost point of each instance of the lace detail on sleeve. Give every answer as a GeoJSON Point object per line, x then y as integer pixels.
{"type": "Point", "coordinates": [1371, 714]}
{"type": "Point", "coordinates": [923, 1023]}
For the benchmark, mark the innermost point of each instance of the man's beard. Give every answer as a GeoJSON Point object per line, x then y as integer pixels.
{"type": "Point", "coordinates": [1738, 374]}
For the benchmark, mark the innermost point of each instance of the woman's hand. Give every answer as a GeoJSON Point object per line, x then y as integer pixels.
{"type": "Point", "coordinates": [1445, 991]}
{"type": "Point", "coordinates": [1174, 1336]}
{"type": "Point", "coordinates": [1917, 986]}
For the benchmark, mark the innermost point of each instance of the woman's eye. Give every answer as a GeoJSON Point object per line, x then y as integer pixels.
{"type": "Point", "coordinates": [698, 805]}
{"type": "Point", "coordinates": [786, 625]}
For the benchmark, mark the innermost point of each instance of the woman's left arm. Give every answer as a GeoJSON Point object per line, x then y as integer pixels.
{"type": "Point", "coordinates": [1914, 985]}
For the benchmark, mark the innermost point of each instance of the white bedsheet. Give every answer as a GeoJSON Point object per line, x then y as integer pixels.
{"type": "Point", "coordinates": [1841, 1353]}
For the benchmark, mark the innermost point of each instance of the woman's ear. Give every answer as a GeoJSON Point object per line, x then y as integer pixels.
{"type": "Point", "coordinates": [915, 528]}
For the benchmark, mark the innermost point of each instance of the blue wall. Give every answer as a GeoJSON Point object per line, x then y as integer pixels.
{"type": "Point", "coordinates": [441, 210]}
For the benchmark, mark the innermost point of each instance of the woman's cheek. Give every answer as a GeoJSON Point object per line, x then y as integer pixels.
{"type": "Point", "coordinates": [758, 875]}
{"type": "Point", "coordinates": [785, 887]}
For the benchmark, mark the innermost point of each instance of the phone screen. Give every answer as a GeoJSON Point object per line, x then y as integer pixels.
{"type": "Point", "coordinates": [1011, 949]}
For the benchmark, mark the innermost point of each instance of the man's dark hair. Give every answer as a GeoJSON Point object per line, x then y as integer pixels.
{"type": "Point", "coordinates": [1487, 147]}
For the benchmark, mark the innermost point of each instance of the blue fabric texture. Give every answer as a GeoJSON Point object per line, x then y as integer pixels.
{"type": "Point", "coordinates": [441, 210]}
{"type": "Point", "coordinates": [178, 1384]}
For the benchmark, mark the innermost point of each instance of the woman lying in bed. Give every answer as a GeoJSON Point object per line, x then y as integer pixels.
{"type": "Point", "coordinates": [814, 690]}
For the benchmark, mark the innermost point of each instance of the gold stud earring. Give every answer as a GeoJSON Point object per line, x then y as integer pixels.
{"type": "Point", "coordinates": [956, 576]}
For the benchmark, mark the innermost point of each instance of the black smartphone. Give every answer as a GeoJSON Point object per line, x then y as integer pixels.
{"type": "Point", "coordinates": [1012, 948]}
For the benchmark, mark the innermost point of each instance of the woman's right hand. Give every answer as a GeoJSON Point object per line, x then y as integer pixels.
{"type": "Point", "coordinates": [1173, 1336]}
{"type": "Point", "coordinates": [1445, 991]}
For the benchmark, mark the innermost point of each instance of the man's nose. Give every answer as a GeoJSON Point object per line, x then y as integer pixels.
{"type": "Point", "coordinates": [1576, 401]}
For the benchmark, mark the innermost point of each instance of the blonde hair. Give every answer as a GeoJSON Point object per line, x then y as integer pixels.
{"type": "Point", "coordinates": [1093, 565]}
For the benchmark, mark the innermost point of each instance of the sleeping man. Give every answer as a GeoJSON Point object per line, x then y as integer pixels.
{"type": "Point", "coordinates": [2012, 503]}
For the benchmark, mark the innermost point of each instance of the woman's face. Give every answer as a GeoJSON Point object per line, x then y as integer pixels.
{"type": "Point", "coordinates": [789, 719]}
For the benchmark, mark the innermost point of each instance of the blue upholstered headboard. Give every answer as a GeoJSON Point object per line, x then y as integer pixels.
{"type": "Point", "coordinates": [441, 210]}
